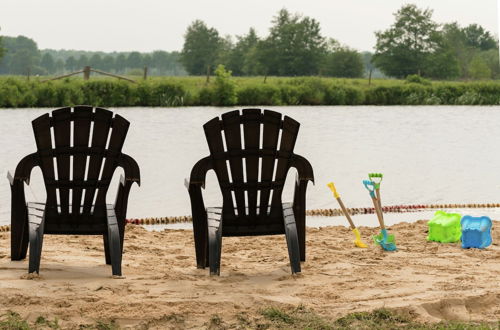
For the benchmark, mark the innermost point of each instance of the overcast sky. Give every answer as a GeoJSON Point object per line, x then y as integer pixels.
{"type": "Point", "coordinates": [147, 25]}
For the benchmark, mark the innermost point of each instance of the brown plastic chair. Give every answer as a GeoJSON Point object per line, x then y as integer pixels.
{"type": "Point", "coordinates": [78, 151]}
{"type": "Point", "coordinates": [251, 172]}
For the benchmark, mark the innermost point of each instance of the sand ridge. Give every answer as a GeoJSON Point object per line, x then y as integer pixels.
{"type": "Point", "coordinates": [163, 287]}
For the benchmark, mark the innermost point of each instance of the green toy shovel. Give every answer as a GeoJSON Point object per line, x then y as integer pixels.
{"type": "Point", "coordinates": [386, 241]}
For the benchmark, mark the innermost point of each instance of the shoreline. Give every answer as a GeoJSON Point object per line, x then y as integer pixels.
{"type": "Point", "coordinates": [248, 91]}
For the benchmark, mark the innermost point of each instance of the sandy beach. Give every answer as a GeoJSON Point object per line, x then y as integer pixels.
{"type": "Point", "coordinates": [162, 287]}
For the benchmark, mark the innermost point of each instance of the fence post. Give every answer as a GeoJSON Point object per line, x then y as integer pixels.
{"type": "Point", "coordinates": [86, 73]}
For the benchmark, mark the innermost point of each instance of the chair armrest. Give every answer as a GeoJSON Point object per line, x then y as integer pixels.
{"type": "Point", "coordinates": [132, 174]}
{"type": "Point", "coordinates": [10, 178]}
{"type": "Point", "coordinates": [23, 169]}
{"type": "Point", "coordinates": [304, 175]}
{"type": "Point", "coordinates": [304, 168]}
{"type": "Point", "coordinates": [131, 169]}
{"type": "Point", "coordinates": [199, 173]}
{"type": "Point", "coordinates": [19, 210]}
{"type": "Point", "coordinates": [200, 225]}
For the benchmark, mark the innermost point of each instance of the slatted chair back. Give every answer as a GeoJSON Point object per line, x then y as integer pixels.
{"type": "Point", "coordinates": [78, 149]}
{"type": "Point", "coordinates": [250, 154]}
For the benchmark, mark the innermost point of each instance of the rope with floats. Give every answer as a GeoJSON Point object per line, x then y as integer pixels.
{"type": "Point", "coordinates": [319, 212]}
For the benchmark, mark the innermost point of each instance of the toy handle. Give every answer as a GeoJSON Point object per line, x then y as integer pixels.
{"type": "Point", "coordinates": [370, 186]}
{"type": "Point", "coordinates": [376, 178]}
{"type": "Point", "coordinates": [333, 189]}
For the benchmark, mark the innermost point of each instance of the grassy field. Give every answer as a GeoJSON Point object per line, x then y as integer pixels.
{"type": "Point", "coordinates": [244, 91]}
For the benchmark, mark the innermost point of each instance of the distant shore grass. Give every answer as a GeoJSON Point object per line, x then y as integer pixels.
{"type": "Point", "coordinates": [271, 318]}
{"type": "Point", "coordinates": [17, 92]}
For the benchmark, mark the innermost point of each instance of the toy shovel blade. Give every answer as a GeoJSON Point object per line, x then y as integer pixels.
{"type": "Point", "coordinates": [357, 241]}
{"type": "Point", "coordinates": [386, 241]}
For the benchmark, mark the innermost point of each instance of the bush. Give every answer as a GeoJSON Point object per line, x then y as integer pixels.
{"type": "Point", "coordinates": [258, 95]}
{"type": "Point", "coordinates": [383, 95]}
{"type": "Point", "coordinates": [310, 91]}
{"type": "Point", "coordinates": [10, 94]}
{"type": "Point", "coordinates": [205, 96]}
{"type": "Point", "coordinates": [160, 94]}
{"type": "Point", "coordinates": [225, 90]}
{"type": "Point", "coordinates": [416, 79]}
{"type": "Point", "coordinates": [289, 95]}
{"type": "Point", "coordinates": [108, 93]}
{"type": "Point", "coordinates": [343, 95]}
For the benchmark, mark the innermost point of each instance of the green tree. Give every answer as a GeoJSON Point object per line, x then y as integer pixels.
{"type": "Point", "coordinates": [147, 60]}
{"type": "Point", "coordinates": [442, 64]}
{"type": "Point", "coordinates": [478, 69]}
{"type": "Point", "coordinates": [48, 63]}
{"type": "Point", "coordinates": [403, 49]}
{"type": "Point", "coordinates": [201, 48]}
{"type": "Point", "coordinates": [490, 57]}
{"type": "Point", "coordinates": [468, 43]}
{"type": "Point", "coordinates": [108, 63]}
{"type": "Point", "coordinates": [294, 46]}
{"type": "Point", "coordinates": [120, 63]}
{"type": "Point", "coordinates": [343, 62]}
{"type": "Point", "coordinates": [159, 61]}
{"type": "Point", "coordinates": [174, 65]}
{"type": "Point", "coordinates": [59, 66]}
{"type": "Point", "coordinates": [454, 40]}
{"type": "Point", "coordinates": [23, 63]}
{"type": "Point", "coordinates": [226, 46]}
{"type": "Point", "coordinates": [83, 61]}
{"type": "Point", "coordinates": [477, 37]}
{"type": "Point", "coordinates": [95, 61]}
{"type": "Point", "coordinates": [242, 58]}
{"type": "Point", "coordinates": [134, 60]}
{"type": "Point", "coordinates": [2, 50]}
{"type": "Point", "coordinates": [71, 64]}
{"type": "Point", "coordinates": [21, 56]}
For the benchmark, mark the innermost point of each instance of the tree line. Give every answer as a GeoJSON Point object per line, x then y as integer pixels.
{"type": "Point", "coordinates": [295, 46]}
{"type": "Point", "coordinates": [413, 45]}
{"type": "Point", "coordinates": [21, 56]}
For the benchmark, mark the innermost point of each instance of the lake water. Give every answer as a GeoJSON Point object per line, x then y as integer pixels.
{"type": "Point", "coordinates": [429, 155]}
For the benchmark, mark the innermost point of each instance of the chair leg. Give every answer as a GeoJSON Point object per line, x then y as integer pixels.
{"type": "Point", "coordinates": [292, 239]}
{"type": "Point", "coordinates": [200, 242]}
{"type": "Point", "coordinates": [106, 249]}
{"type": "Point", "coordinates": [19, 239]}
{"type": "Point", "coordinates": [200, 230]}
{"type": "Point", "coordinates": [214, 240]}
{"type": "Point", "coordinates": [114, 244]}
{"type": "Point", "coordinates": [299, 210]}
{"type": "Point", "coordinates": [36, 230]}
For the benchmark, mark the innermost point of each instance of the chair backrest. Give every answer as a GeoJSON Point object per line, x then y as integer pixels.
{"type": "Point", "coordinates": [78, 151]}
{"type": "Point", "coordinates": [250, 152]}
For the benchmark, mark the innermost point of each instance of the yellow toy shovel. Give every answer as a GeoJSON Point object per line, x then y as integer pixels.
{"type": "Point", "coordinates": [355, 230]}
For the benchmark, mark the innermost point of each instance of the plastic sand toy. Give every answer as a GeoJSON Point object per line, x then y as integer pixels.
{"type": "Point", "coordinates": [476, 232]}
{"type": "Point", "coordinates": [357, 241]}
{"type": "Point", "coordinates": [386, 241]}
{"type": "Point", "coordinates": [445, 227]}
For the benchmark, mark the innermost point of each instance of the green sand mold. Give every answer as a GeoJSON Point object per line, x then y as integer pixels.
{"type": "Point", "coordinates": [445, 227]}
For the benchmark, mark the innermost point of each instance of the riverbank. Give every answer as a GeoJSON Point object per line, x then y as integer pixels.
{"type": "Point", "coordinates": [17, 92]}
{"type": "Point", "coordinates": [426, 281]}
